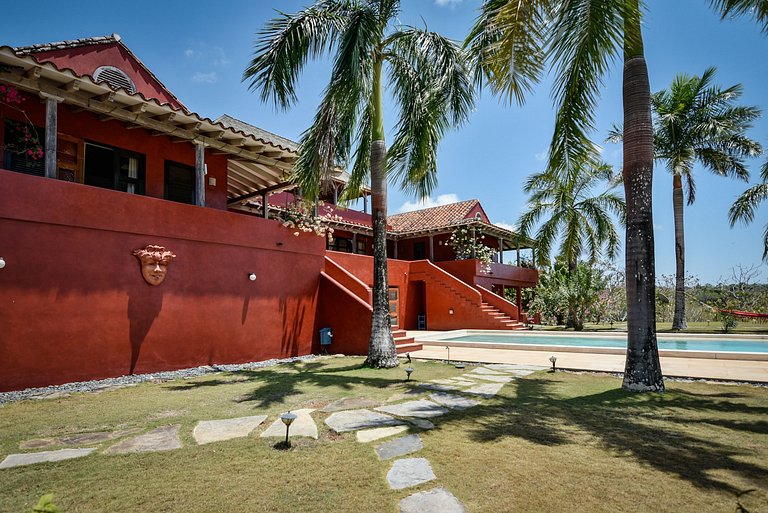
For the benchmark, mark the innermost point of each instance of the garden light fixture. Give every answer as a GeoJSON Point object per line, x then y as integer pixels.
{"type": "Point", "coordinates": [288, 419]}
{"type": "Point", "coordinates": [553, 359]}
{"type": "Point", "coordinates": [408, 372]}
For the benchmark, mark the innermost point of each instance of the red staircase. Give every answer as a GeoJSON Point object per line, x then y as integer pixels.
{"type": "Point", "coordinates": [404, 343]}
{"type": "Point", "coordinates": [499, 319]}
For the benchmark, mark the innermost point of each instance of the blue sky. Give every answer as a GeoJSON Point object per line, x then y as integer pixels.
{"type": "Point", "coordinates": [200, 52]}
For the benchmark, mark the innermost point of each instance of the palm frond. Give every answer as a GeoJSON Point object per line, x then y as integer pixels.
{"type": "Point", "coordinates": [756, 9]}
{"type": "Point", "coordinates": [745, 206]}
{"type": "Point", "coordinates": [285, 44]}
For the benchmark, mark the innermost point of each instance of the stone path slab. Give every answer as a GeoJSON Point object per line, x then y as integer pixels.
{"type": "Point", "coordinates": [421, 423]}
{"type": "Point", "coordinates": [508, 367]}
{"type": "Point", "coordinates": [369, 435]}
{"type": "Point", "coordinates": [352, 420]}
{"type": "Point", "coordinates": [96, 437]}
{"type": "Point", "coordinates": [17, 460]}
{"type": "Point", "coordinates": [351, 403]}
{"type": "Point", "coordinates": [399, 447]}
{"type": "Point", "coordinates": [486, 390]}
{"type": "Point", "coordinates": [439, 388]}
{"type": "Point", "coordinates": [496, 379]}
{"type": "Point", "coordinates": [409, 472]}
{"type": "Point", "coordinates": [438, 500]}
{"type": "Point", "coordinates": [401, 396]}
{"type": "Point", "coordinates": [421, 409]}
{"type": "Point", "coordinates": [487, 371]}
{"type": "Point", "coordinates": [455, 402]}
{"type": "Point", "coordinates": [304, 425]}
{"type": "Point", "coordinates": [207, 431]}
{"type": "Point", "coordinates": [164, 438]}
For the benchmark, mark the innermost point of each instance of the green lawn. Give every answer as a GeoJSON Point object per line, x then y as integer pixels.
{"type": "Point", "coordinates": [547, 442]}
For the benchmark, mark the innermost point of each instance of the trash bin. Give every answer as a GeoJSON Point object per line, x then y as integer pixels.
{"type": "Point", "coordinates": [326, 337]}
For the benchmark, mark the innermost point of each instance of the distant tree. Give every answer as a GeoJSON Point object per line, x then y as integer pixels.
{"type": "Point", "coordinates": [429, 80]}
{"type": "Point", "coordinates": [568, 210]}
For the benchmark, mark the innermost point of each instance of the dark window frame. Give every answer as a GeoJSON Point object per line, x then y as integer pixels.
{"type": "Point", "coordinates": [171, 195]}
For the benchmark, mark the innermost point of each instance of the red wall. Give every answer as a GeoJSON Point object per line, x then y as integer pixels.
{"type": "Point", "coordinates": [85, 60]}
{"type": "Point", "coordinates": [347, 315]}
{"type": "Point", "coordinates": [156, 149]}
{"type": "Point", "coordinates": [74, 306]}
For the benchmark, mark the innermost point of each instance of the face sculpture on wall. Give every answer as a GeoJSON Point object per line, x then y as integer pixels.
{"type": "Point", "coordinates": [154, 263]}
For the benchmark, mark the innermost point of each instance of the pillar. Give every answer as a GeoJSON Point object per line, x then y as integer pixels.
{"type": "Point", "coordinates": [51, 129]}
{"type": "Point", "coordinates": [199, 174]}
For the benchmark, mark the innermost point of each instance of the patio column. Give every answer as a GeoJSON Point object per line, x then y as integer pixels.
{"type": "Point", "coordinates": [199, 174]}
{"type": "Point", "coordinates": [51, 129]}
{"type": "Point", "coordinates": [517, 251]}
{"type": "Point", "coordinates": [394, 253]}
{"type": "Point", "coordinates": [365, 203]}
{"type": "Point", "coordinates": [474, 239]}
{"type": "Point", "coordinates": [354, 243]}
{"type": "Point", "coordinates": [501, 250]}
{"type": "Point", "coordinates": [431, 248]}
{"type": "Point", "coordinates": [265, 205]}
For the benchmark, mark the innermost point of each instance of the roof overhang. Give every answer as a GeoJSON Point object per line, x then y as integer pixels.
{"type": "Point", "coordinates": [253, 164]}
{"type": "Point", "coordinates": [510, 239]}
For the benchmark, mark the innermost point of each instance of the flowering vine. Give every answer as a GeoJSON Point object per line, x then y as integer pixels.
{"type": "Point", "coordinates": [466, 246]}
{"type": "Point", "coordinates": [22, 136]}
{"type": "Point", "coordinates": [300, 215]}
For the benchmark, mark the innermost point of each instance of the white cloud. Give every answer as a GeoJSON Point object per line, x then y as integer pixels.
{"type": "Point", "coordinates": [447, 3]}
{"type": "Point", "coordinates": [189, 53]}
{"type": "Point", "coordinates": [205, 78]}
{"type": "Point", "coordinates": [442, 199]}
{"type": "Point", "coordinates": [506, 226]}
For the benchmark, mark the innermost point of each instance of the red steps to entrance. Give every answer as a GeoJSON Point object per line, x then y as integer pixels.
{"type": "Point", "coordinates": [404, 343]}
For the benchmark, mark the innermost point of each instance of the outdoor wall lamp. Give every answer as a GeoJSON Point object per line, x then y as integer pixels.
{"type": "Point", "coordinates": [553, 359]}
{"type": "Point", "coordinates": [252, 276]}
{"type": "Point", "coordinates": [288, 419]}
{"type": "Point", "coordinates": [2, 262]}
{"type": "Point", "coordinates": [450, 311]}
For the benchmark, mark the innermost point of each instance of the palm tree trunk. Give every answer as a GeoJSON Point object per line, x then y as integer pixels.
{"type": "Point", "coordinates": [642, 372]}
{"type": "Point", "coordinates": [679, 322]}
{"type": "Point", "coordinates": [381, 347]}
{"type": "Point", "coordinates": [572, 321]}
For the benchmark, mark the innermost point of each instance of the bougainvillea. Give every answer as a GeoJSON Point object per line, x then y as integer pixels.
{"type": "Point", "coordinates": [21, 136]}
{"type": "Point", "coordinates": [300, 216]}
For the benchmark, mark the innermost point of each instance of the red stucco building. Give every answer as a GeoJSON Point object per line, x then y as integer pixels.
{"type": "Point", "coordinates": [100, 160]}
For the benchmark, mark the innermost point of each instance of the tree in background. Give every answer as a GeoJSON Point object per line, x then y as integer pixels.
{"type": "Point", "coordinates": [429, 81]}
{"type": "Point", "coordinates": [570, 213]}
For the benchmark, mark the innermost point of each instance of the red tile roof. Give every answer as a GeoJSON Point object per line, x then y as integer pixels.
{"type": "Point", "coordinates": [434, 217]}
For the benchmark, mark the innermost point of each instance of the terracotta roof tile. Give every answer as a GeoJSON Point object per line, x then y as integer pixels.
{"type": "Point", "coordinates": [258, 133]}
{"type": "Point", "coordinates": [433, 217]}
{"type": "Point", "coordinates": [72, 43]}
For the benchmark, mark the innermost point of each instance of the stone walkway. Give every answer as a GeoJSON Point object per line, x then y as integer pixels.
{"type": "Point", "coordinates": [403, 412]}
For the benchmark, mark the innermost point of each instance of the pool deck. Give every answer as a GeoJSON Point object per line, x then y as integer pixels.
{"type": "Point", "coordinates": [706, 368]}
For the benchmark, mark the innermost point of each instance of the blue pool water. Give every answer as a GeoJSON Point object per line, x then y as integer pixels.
{"type": "Point", "coordinates": [715, 345]}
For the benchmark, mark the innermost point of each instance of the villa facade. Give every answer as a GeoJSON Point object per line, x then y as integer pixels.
{"type": "Point", "coordinates": [138, 236]}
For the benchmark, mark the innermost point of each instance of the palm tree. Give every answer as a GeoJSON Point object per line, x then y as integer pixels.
{"type": "Point", "coordinates": [511, 42]}
{"type": "Point", "coordinates": [698, 122]}
{"type": "Point", "coordinates": [430, 83]}
{"type": "Point", "coordinates": [743, 209]}
{"type": "Point", "coordinates": [578, 218]}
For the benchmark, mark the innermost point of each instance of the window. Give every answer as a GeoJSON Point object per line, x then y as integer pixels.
{"type": "Point", "coordinates": [419, 250]}
{"type": "Point", "coordinates": [340, 244]}
{"type": "Point", "coordinates": [18, 153]}
{"type": "Point", "coordinates": [362, 246]}
{"type": "Point", "coordinates": [113, 168]}
{"type": "Point", "coordinates": [179, 183]}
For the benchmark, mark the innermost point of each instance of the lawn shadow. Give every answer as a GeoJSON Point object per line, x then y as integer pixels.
{"type": "Point", "coordinates": [655, 429]}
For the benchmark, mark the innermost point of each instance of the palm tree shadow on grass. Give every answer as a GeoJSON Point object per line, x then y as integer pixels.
{"type": "Point", "coordinates": [630, 425]}
{"type": "Point", "coordinates": [276, 385]}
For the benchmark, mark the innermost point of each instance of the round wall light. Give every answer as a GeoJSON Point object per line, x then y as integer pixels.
{"type": "Point", "coordinates": [252, 276]}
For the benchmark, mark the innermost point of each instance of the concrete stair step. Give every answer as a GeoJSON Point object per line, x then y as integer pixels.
{"type": "Point", "coordinates": [407, 348]}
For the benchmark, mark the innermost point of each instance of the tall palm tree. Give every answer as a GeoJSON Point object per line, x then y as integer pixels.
{"type": "Point", "coordinates": [699, 122]}
{"type": "Point", "coordinates": [574, 215]}
{"type": "Point", "coordinates": [513, 39]}
{"type": "Point", "coordinates": [745, 206]}
{"type": "Point", "coordinates": [429, 81]}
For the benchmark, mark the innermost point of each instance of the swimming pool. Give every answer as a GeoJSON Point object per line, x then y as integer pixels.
{"type": "Point", "coordinates": [716, 345]}
{"type": "Point", "coordinates": [699, 346]}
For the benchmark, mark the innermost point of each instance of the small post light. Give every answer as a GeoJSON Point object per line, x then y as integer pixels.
{"type": "Point", "coordinates": [252, 276]}
{"type": "Point", "coordinates": [553, 359]}
{"type": "Point", "coordinates": [408, 372]}
{"type": "Point", "coordinates": [288, 419]}
{"type": "Point", "coordinates": [449, 354]}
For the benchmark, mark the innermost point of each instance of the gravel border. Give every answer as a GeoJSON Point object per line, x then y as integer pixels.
{"type": "Point", "coordinates": [54, 391]}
